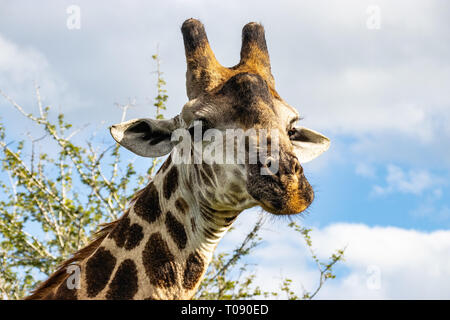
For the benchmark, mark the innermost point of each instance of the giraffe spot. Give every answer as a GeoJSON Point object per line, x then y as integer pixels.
{"type": "Point", "coordinates": [159, 262]}
{"type": "Point", "coordinates": [124, 285]}
{"type": "Point", "coordinates": [147, 205]}
{"type": "Point", "coordinates": [193, 271]}
{"type": "Point", "coordinates": [181, 205]}
{"type": "Point", "coordinates": [165, 165]}
{"type": "Point", "coordinates": [208, 170]}
{"type": "Point", "coordinates": [193, 226]}
{"type": "Point", "coordinates": [170, 182]}
{"type": "Point", "coordinates": [98, 271]}
{"type": "Point", "coordinates": [217, 169]}
{"type": "Point", "coordinates": [197, 168]}
{"type": "Point", "coordinates": [235, 188]}
{"type": "Point", "coordinates": [126, 235]}
{"type": "Point", "coordinates": [176, 230]}
{"type": "Point", "coordinates": [119, 233]}
{"type": "Point", "coordinates": [248, 90]}
{"type": "Point", "coordinates": [135, 235]}
{"type": "Point", "coordinates": [206, 179]}
{"type": "Point", "coordinates": [237, 173]}
{"type": "Point", "coordinates": [64, 293]}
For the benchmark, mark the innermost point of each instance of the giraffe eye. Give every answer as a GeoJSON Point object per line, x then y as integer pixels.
{"type": "Point", "coordinates": [291, 132]}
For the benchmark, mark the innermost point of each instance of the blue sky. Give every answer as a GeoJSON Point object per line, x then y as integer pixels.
{"type": "Point", "coordinates": [381, 95]}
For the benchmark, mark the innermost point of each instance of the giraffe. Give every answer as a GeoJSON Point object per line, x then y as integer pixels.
{"type": "Point", "coordinates": [162, 245]}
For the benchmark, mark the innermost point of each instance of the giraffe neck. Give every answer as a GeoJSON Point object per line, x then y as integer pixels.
{"type": "Point", "coordinates": [161, 248]}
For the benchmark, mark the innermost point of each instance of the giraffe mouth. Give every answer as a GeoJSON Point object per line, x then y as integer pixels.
{"type": "Point", "coordinates": [291, 208]}
{"type": "Point", "coordinates": [279, 199]}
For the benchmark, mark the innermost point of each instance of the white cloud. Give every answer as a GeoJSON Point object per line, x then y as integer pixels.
{"type": "Point", "coordinates": [380, 262]}
{"type": "Point", "coordinates": [413, 181]}
{"type": "Point", "coordinates": [365, 170]}
{"type": "Point", "coordinates": [431, 210]}
{"type": "Point", "coordinates": [20, 63]}
{"type": "Point", "coordinates": [412, 264]}
{"type": "Point", "coordinates": [23, 67]}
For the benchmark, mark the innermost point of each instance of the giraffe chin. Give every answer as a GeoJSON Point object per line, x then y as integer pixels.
{"type": "Point", "coordinates": [294, 206]}
{"type": "Point", "coordinates": [298, 197]}
{"type": "Point", "coordinates": [289, 198]}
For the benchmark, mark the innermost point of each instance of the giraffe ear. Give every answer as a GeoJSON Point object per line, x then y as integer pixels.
{"type": "Point", "coordinates": [146, 137]}
{"type": "Point", "coordinates": [308, 144]}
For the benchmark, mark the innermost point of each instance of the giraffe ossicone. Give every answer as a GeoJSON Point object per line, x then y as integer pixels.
{"type": "Point", "coordinates": [162, 245]}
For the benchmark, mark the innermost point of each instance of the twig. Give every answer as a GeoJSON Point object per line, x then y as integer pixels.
{"type": "Point", "coordinates": [239, 251]}
{"type": "Point", "coordinates": [33, 178]}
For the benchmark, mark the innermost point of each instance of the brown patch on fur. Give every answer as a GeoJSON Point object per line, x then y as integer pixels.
{"type": "Point", "coordinates": [64, 293]}
{"type": "Point", "coordinates": [237, 173]}
{"type": "Point", "coordinates": [170, 183]}
{"type": "Point", "coordinates": [165, 165]}
{"type": "Point", "coordinates": [235, 188]}
{"type": "Point", "coordinates": [98, 271]}
{"type": "Point", "coordinates": [193, 225]}
{"type": "Point", "coordinates": [55, 279]}
{"type": "Point", "coordinates": [147, 204]}
{"type": "Point", "coordinates": [119, 234]}
{"type": "Point", "coordinates": [193, 271]}
{"type": "Point", "coordinates": [250, 99]}
{"type": "Point", "coordinates": [208, 170]}
{"type": "Point", "coordinates": [181, 205]}
{"type": "Point", "coordinates": [217, 170]}
{"type": "Point", "coordinates": [126, 235]}
{"type": "Point", "coordinates": [159, 262]}
{"type": "Point", "coordinates": [176, 230]}
{"type": "Point", "coordinates": [206, 179]}
{"type": "Point", "coordinates": [124, 285]}
{"type": "Point", "coordinates": [135, 235]}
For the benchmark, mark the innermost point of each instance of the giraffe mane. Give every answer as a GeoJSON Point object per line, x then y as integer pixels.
{"type": "Point", "coordinates": [56, 278]}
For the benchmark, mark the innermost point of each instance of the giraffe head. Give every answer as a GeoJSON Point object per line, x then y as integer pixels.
{"type": "Point", "coordinates": [243, 100]}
